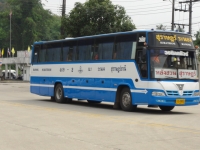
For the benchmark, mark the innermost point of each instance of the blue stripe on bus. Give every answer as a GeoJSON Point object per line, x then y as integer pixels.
{"type": "Point", "coordinates": [96, 90]}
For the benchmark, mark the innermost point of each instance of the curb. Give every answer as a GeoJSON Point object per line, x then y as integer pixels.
{"type": "Point", "coordinates": [13, 81]}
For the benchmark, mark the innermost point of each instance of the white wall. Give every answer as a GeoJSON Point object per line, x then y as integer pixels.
{"type": "Point", "coordinates": [26, 73]}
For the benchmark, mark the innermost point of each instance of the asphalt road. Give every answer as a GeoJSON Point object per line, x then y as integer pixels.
{"type": "Point", "coordinates": [31, 122]}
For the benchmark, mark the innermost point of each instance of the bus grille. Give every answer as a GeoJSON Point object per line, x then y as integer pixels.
{"type": "Point", "coordinates": [175, 93]}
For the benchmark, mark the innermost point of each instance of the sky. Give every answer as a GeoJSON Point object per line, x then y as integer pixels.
{"type": "Point", "coordinates": [145, 14]}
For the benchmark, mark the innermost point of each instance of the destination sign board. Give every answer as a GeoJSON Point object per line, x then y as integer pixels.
{"type": "Point", "coordinates": [175, 40]}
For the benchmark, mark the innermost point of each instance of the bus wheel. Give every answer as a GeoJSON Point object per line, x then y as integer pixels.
{"type": "Point", "coordinates": [93, 102]}
{"type": "Point", "coordinates": [166, 108]}
{"type": "Point", "coordinates": [126, 100]}
{"type": "Point", "coordinates": [59, 94]}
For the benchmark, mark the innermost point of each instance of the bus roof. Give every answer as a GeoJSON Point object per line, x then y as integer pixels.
{"type": "Point", "coordinates": [109, 34]}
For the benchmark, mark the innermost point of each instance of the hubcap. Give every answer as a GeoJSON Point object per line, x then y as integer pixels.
{"type": "Point", "coordinates": [59, 93]}
{"type": "Point", "coordinates": [126, 99]}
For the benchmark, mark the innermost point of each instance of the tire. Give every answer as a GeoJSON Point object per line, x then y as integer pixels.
{"type": "Point", "coordinates": [59, 94]}
{"type": "Point", "coordinates": [166, 108]}
{"type": "Point", "coordinates": [126, 100]}
{"type": "Point", "coordinates": [93, 102]}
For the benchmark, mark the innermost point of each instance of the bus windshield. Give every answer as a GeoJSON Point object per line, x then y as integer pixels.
{"type": "Point", "coordinates": [173, 64]}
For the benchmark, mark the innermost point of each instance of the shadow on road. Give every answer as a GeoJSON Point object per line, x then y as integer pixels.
{"type": "Point", "coordinates": [147, 111]}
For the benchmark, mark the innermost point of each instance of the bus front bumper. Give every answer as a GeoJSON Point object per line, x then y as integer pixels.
{"type": "Point", "coordinates": [174, 101]}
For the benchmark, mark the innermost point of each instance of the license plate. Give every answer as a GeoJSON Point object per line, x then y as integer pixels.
{"type": "Point", "coordinates": [180, 101]}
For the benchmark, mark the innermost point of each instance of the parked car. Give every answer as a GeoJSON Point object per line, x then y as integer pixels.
{"type": "Point", "coordinates": [13, 74]}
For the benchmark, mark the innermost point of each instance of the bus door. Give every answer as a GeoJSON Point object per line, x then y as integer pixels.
{"type": "Point", "coordinates": [141, 93]}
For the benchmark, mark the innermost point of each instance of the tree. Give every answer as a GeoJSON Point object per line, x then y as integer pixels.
{"type": "Point", "coordinates": [197, 36]}
{"type": "Point", "coordinates": [179, 29]}
{"type": "Point", "coordinates": [96, 17]}
{"type": "Point", "coordinates": [30, 23]}
{"type": "Point", "coordinates": [161, 27]}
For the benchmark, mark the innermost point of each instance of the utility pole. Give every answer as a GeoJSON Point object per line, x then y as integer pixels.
{"type": "Point", "coordinates": [190, 17]}
{"type": "Point", "coordinates": [63, 8]}
{"type": "Point", "coordinates": [63, 15]}
{"type": "Point", "coordinates": [190, 13]}
{"type": "Point", "coordinates": [173, 3]}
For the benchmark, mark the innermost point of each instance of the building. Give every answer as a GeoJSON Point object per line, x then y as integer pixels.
{"type": "Point", "coordinates": [22, 61]}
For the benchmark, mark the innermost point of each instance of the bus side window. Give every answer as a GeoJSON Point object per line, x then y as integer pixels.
{"type": "Point", "coordinates": [96, 54]}
{"type": "Point", "coordinates": [49, 53]}
{"type": "Point", "coordinates": [36, 53]}
{"type": "Point", "coordinates": [114, 55]}
{"type": "Point", "coordinates": [57, 51]}
{"type": "Point", "coordinates": [69, 50]}
{"type": "Point", "coordinates": [85, 49]}
{"type": "Point", "coordinates": [105, 48]}
{"type": "Point", "coordinates": [42, 53]}
{"type": "Point", "coordinates": [70, 54]}
{"type": "Point", "coordinates": [124, 46]}
{"type": "Point", "coordinates": [65, 53]}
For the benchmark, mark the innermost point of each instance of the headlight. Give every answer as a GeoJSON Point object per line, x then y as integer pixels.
{"type": "Point", "coordinates": [158, 93]}
{"type": "Point", "coordinates": [196, 94]}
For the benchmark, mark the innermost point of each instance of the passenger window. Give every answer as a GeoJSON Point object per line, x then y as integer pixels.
{"type": "Point", "coordinates": [42, 54]}
{"type": "Point", "coordinates": [49, 53]}
{"type": "Point", "coordinates": [104, 48]}
{"type": "Point", "coordinates": [85, 49]}
{"type": "Point", "coordinates": [53, 52]}
{"type": "Point", "coordinates": [69, 51]}
{"type": "Point", "coordinates": [95, 53]}
{"type": "Point", "coordinates": [70, 54]}
{"type": "Point", "coordinates": [125, 46]}
{"type": "Point", "coordinates": [36, 53]}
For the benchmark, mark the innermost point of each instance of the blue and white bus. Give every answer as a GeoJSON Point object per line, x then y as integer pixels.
{"type": "Point", "coordinates": [139, 67]}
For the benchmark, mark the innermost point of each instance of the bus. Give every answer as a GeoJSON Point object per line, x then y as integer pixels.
{"type": "Point", "coordinates": [139, 67]}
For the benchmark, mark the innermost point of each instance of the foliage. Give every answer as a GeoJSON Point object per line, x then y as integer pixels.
{"type": "Point", "coordinates": [96, 17]}
{"type": "Point", "coordinates": [179, 29]}
{"type": "Point", "coordinates": [29, 23]}
{"type": "Point", "coordinates": [161, 27]}
{"type": "Point", "coordinates": [197, 43]}
{"type": "Point", "coordinates": [197, 36]}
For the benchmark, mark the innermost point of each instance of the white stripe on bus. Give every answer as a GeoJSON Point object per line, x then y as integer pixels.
{"type": "Point", "coordinates": [89, 88]}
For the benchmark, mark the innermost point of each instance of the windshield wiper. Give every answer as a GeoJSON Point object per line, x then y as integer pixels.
{"type": "Point", "coordinates": [187, 79]}
{"type": "Point", "coordinates": [170, 77]}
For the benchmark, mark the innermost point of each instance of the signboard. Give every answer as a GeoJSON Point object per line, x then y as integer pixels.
{"type": "Point", "coordinates": [187, 74]}
{"type": "Point", "coordinates": [165, 73]}
{"type": "Point", "coordinates": [175, 40]}
{"type": "Point", "coordinates": [172, 73]}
